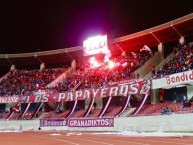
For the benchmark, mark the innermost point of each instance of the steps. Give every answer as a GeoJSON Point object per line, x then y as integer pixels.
{"type": "Point", "coordinates": [127, 112]}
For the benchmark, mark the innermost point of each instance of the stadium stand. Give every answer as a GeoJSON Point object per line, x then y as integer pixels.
{"type": "Point", "coordinates": [118, 68]}
{"type": "Point", "coordinates": [112, 111]}
{"type": "Point", "coordinates": [20, 82]}
{"type": "Point", "coordinates": [182, 61]}
{"type": "Point", "coordinates": [86, 77]}
{"type": "Point", "coordinates": [95, 75]}
{"type": "Point", "coordinates": [157, 109]}
{"type": "Point", "coordinates": [27, 81]}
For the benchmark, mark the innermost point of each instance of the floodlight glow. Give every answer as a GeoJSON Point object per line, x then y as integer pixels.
{"type": "Point", "coordinates": [92, 59]}
{"type": "Point", "coordinates": [106, 58]}
{"type": "Point", "coordinates": [93, 62]}
{"type": "Point", "coordinates": [95, 45]}
{"type": "Point", "coordinates": [124, 64]}
{"type": "Point", "coordinates": [111, 65]}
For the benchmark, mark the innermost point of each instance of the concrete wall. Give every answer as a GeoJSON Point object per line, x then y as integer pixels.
{"type": "Point", "coordinates": [19, 125]}
{"type": "Point", "coordinates": [189, 92]}
{"type": "Point", "coordinates": [165, 123]}
{"type": "Point", "coordinates": [145, 68]}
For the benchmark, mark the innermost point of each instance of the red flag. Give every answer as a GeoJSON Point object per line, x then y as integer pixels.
{"type": "Point", "coordinates": [16, 108]}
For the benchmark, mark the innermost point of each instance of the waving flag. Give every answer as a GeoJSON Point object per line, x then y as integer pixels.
{"type": "Point", "coordinates": [145, 47]}
{"type": "Point", "coordinates": [16, 108]}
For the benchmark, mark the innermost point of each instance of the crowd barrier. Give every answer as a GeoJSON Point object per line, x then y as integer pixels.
{"type": "Point", "coordinates": [160, 123]}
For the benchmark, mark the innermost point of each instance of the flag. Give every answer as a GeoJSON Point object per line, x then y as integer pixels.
{"type": "Point", "coordinates": [145, 47]}
{"type": "Point", "coordinates": [16, 108]}
{"type": "Point", "coordinates": [134, 54]}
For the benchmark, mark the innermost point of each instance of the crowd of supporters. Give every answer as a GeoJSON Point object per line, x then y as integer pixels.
{"type": "Point", "coordinates": [117, 69]}
{"type": "Point", "coordinates": [182, 61]}
{"type": "Point", "coordinates": [26, 81]}
{"type": "Point", "coordinates": [20, 82]}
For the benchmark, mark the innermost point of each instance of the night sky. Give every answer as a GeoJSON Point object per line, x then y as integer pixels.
{"type": "Point", "coordinates": [29, 26]}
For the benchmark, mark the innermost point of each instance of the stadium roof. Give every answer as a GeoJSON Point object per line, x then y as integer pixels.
{"type": "Point", "coordinates": [167, 32]}
{"type": "Point", "coordinates": [170, 31]}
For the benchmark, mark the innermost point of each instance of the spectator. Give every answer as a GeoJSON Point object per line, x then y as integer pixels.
{"type": "Point", "coordinates": [188, 103]}
{"type": "Point", "coordinates": [166, 111]}
{"type": "Point", "coordinates": [184, 101]}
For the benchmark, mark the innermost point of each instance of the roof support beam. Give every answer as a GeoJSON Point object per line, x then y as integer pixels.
{"type": "Point", "coordinates": [70, 56]}
{"type": "Point", "coordinates": [173, 27]}
{"type": "Point", "coordinates": [38, 59]}
{"type": "Point", "coordinates": [119, 47]}
{"type": "Point", "coordinates": [155, 37]}
{"type": "Point", "coordinates": [9, 60]}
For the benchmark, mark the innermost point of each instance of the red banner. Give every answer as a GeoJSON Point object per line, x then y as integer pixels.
{"type": "Point", "coordinates": [123, 89]}
{"type": "Point", "coordinates": [99, 122]}
{"type": "Point", "coordinates": [5, 100]}
{"type": "Point", "coordinates": [118, 90]}
{"type": "Point", "coordinates": [53, 122]}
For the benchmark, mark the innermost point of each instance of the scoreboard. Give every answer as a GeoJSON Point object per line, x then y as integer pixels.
{"type": "Point", "coordinates": [95, 45]}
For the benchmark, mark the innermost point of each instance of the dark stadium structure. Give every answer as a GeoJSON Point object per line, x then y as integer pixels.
{"type": "Point", "coordinates": [164, 33]}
